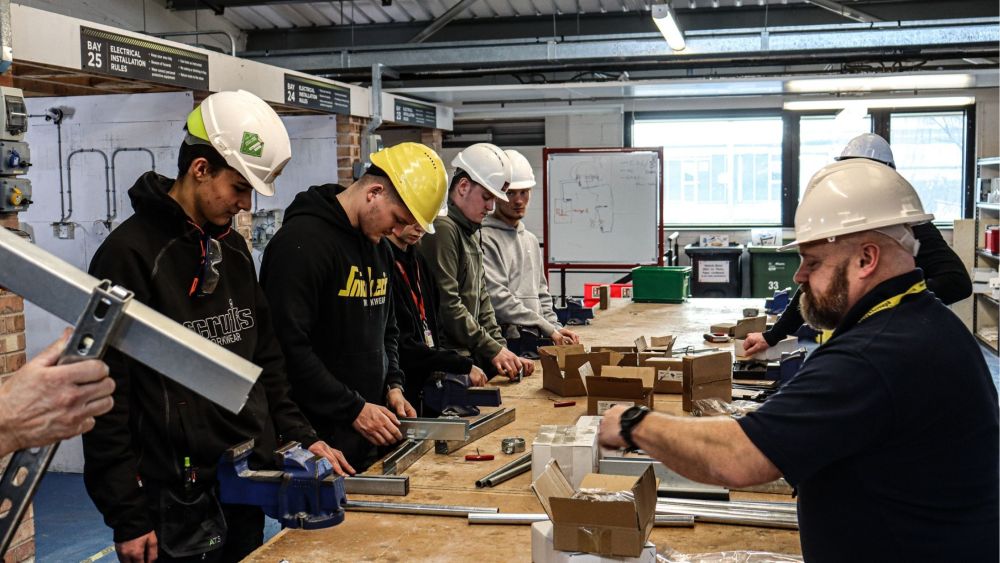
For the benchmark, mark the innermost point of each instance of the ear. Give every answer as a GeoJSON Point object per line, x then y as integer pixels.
{"type": "Point", "coordinates": [374, 190]}
{"type": "Point", "coordinates": [200, 169]}
{"type": "Point", "coordinates": [868, 260]}
{"type": "Point", "coordinates": [463, 187]}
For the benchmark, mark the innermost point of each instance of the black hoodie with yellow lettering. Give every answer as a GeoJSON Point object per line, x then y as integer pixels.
{"type": "Point", "coordinates": [155, 422]}
{"type": "Point", "coordinates": [328, 286]}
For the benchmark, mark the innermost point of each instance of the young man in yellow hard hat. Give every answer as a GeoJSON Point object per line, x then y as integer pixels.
{"type": "Point", "coordinates": [482, 176]}
{"type": "Point", "coordinates": [150, 462]}
{"type": "Point", "coordinates": [890, 430]}
{"type": "Point", "coordinates": [327, 273]}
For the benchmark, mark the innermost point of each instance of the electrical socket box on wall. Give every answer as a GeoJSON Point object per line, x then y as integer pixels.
{"type": "Point", "coordinates": [15, 194]}
{"type": "Point", "coordinates": [13, 114]}
{"type": "Point", "coordinates": [15, 158]}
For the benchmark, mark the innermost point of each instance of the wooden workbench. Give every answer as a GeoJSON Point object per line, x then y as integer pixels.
{"type": "Point", "coordinates": [448, 479]}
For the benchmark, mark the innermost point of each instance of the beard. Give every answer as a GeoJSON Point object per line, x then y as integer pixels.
{"type": "Point", "coordinates": [826, 311]}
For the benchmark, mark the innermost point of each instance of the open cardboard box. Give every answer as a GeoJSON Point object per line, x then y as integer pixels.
{"type": "Point", "coordinates": [543, 550]}
{"type": "Point", "coordinates": [561, 367]}
{"type": "Point", "coordinates": [707, 376]}
{"type": "Point", "coordinates": [636, 355]}
{"type": "Point", "coordinates": [606, 527]}
{"type": "Point", "coordinates": [620, 385]}
{"type": "Point", "coordinates": [669, 374]}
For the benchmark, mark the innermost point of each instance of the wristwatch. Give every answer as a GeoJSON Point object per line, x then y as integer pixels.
{"type": "Point", "coordinates": [395, 386]}
{"type": "Point", "coordinates": [629, 420]}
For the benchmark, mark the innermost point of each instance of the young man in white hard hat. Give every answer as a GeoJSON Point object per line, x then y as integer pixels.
{"type": "Point", "coordinates": [515, 276]}
{"type": "Point", "coordinates": [482, 175]}
{"type": "Point", "coordinates": [944, 271]}
{"type": "Point", "coordinates": [890, 431]}
{"type": "Point", "coordinates": [327, 273]}
{"type": "Point", "coordinates": [150, 462]}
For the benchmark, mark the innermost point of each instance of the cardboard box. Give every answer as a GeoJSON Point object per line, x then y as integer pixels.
{"type": "Point", "coordinates": [606, 527]}
{"type": "Point", "coordinates": [634, 386]}
{"type": "Point", "coordinates": [742, 327]}
{"type": "Point", "coordinates": [707, 376]}
{"type": "Point", "coordinates": [669, 374]}
{"type": "Point", "coordinates": [544, 551]}
{"type": "Point", "coordinates": [573, 447]}
{"type": "Point", "coordinates": [772, 354]}
{"type": "Point", "coordinates": [561, 367]}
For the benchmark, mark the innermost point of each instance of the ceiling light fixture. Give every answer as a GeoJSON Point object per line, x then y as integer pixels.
{"type": "Point", "coordinates": [881, 83]}
{"type": "Point", "coordinates": [666, 20]}
{"type": "Point", "coordinates": [841, 103]}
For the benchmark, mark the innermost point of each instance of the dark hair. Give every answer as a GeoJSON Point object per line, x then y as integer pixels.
{"type": "Point", "coordinates": [377, 175]}
{"type": "Point", "coordinates": [191, 151]}
{"type": "Point", "coordinates": [459, 174]}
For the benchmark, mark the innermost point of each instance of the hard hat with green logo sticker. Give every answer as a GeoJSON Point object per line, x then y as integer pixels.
{"type": "Point", "coordinates": [247, 133]}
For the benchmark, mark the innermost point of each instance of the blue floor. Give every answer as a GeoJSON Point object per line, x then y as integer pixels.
{"type": "Point", "coordinates": [68, 527]}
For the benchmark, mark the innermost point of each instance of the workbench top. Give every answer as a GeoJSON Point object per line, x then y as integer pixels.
{"type": "Point", "coordinates": [449, 479]}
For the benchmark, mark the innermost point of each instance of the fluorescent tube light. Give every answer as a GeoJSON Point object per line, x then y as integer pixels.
{"type": "Point", "coordinates": [665, 19]}
{"type": "Point", "coordinates": [881, 83]}
{"type": "Point", "coordinates": [880, 103]}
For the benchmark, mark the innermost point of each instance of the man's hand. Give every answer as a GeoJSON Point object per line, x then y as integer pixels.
{"type": "Point", "coordinates": [477, 377]}
{"type": "Point", "coordinates": [142, 549]}
{"type": "Point", "coordinates": [563, 336]}
{"type": "Point", "coordinates": [527, 366]}
{"type": "Point", "coordinates": [43, 403]}
{"type": "Point", "coordinates": [399, 405]}
{"type": "Point", "coordinates": [609, 434]}
{"type": "Point", "coordinates": [334, 456]}
{"type": "Point", "coordinates": [378, 425]}
{"type": "Point", "coordinates": [755, 343]}
{"type": "Point", "coordinates": [506, 363]}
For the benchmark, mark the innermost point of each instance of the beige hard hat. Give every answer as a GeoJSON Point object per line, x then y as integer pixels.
{"type": "Point", "coordinates": [522, 177]}
{"type": "Point", "coordinates": [852, 196]}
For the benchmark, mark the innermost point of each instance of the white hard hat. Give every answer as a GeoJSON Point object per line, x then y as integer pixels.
{"type": "Point", "coordinates": [487, 165]}
{"type": "Point", "coordinates": [870, 146]}
{"type": "Point", "coordinates": [852, 196]}
{"type": "Point", "coordinates": [522, 177]}
{"type": "Point", "coordinates": [247, 133]}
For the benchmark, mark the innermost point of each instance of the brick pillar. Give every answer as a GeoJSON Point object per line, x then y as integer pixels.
{"type": "Point", "coordinates": [12, 357]}
{"type": "Point", "coordinates": [433, 138]}
{"type": "Point", "coordinates": [349, 132]}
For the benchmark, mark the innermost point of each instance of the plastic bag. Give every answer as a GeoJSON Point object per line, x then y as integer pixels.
{"type": "Point", "coordinates": [668, 555]}
{"type": "Point", "coordinates": [717, 407]}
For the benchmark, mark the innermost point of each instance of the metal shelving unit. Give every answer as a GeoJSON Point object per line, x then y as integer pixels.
{"type": "Point", "coordinates": [986, 309]}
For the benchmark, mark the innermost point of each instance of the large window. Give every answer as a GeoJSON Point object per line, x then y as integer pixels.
{"type": "Point", "coordinates": [822, 137]}
{"type": "Point", "coordinates": [929, 149]}
{"type": "Point", "coordinates": [717, 170]}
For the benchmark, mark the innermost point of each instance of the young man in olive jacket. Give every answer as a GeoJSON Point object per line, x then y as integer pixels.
{"type": "Point", "coordinates": [149, 464]}
{"type": "Point", "coordinates": [327, 273]}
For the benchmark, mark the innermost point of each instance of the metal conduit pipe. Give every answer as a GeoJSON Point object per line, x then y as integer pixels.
{"type": "Point", "coordinates": [69, 180]}
{"type": "Point", "coordinates": [735, 517]}
{"type": "Point", "coordinates": [513, 465]}
{"type": "Point", "coordinates": [417, 509]}
{"type": "Point", "coordinates": [663, 520]}
{"type": "Point", "coordinates": [232, 40]}
{"type": "Point", "coordinates": [113, 212]}
{"type": "Point", "coordinates": [782, 507]}
{"type": "Point", "coordinates": [504, 476]}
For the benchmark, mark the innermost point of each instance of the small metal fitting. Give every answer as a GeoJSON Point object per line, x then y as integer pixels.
{"type": "Point", "coordinates": [512, 445]}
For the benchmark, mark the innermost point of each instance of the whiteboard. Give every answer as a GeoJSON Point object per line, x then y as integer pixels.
{"type": "Point", "coordinates": [603, 206]}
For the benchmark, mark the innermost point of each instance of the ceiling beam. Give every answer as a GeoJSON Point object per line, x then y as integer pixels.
{"type": "Point", "coordinates": [219, 6]}
{"type": "Point", "coordinates": [849, 13]}
{"type": "Point", "coordinates": [443, 20]}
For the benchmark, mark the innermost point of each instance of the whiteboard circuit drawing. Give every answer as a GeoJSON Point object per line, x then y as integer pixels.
{"type": "Point", "coordinates": [586, 197]}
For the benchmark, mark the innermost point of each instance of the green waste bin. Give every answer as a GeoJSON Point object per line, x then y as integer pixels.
{"type": "Point", "coordinates": [661, 284]}
{"type": "Point", "coordinates": [771, 270]}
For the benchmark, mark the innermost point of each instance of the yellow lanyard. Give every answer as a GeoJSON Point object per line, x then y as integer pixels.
{"type": "Point", "coordinates": [883, 306]}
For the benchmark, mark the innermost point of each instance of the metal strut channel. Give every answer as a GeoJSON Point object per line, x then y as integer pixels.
{"type": "Point", "coordinates": [480, 427]}
{"type": "Point", "coordinates": [390, 485]}
{"type": "Point", "coordinates": [434, 428]}
{"type": "Point", "coordinates": [662, 520]}
{"type": "Point", "coordinates": [95, 329]}
{"type": "Point", "coordinates": [148, 336]}
{"type": "Point", "coordinates": [671, 483]}
{"type": "Point", "coordinates": [418, 509]}
{"type": "Point", "coordinates": [404, 456]}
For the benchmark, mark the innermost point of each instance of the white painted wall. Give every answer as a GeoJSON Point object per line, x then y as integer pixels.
{"type": "Point", "coordinates": [152, 121]}
{"type": "Point", "coordinates": [145, 16]}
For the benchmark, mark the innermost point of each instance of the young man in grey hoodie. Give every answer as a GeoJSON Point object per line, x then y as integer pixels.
{"type": "Point", "coordinates": [515, 276]}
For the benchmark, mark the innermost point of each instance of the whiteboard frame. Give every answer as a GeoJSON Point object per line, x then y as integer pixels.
{"type": "Point", "coordinates": [549, 265]}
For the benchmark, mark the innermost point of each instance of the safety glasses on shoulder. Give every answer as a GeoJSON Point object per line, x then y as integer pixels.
{"type": "Point", "coordinates": [207, 276]}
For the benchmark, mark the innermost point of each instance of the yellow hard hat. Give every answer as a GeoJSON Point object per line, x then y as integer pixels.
{"type": "Point", "coordinates": [419, 176]}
